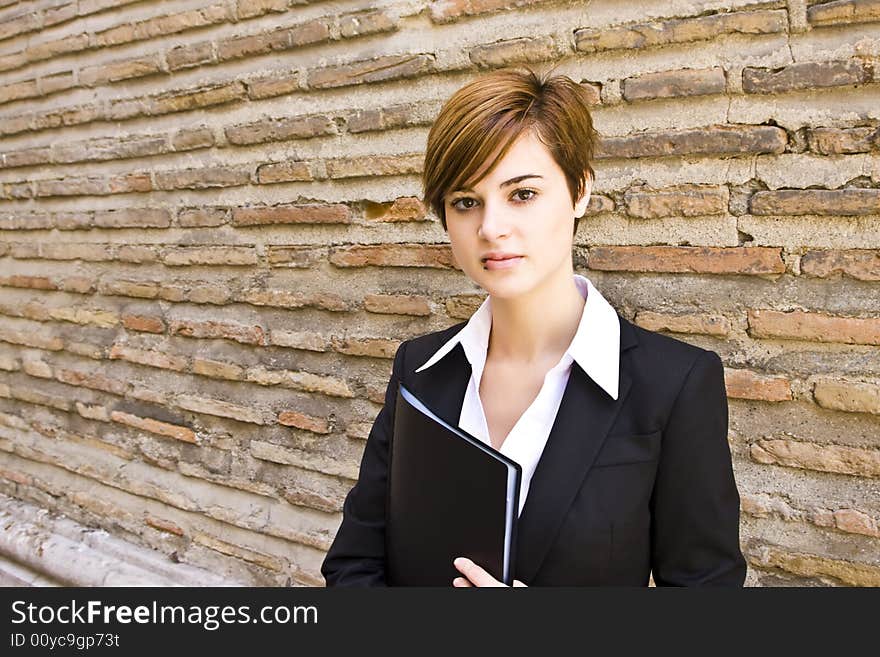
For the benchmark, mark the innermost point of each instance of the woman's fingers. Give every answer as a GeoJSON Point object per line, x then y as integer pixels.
{"type": "Point", "coordinates": [475, 574]}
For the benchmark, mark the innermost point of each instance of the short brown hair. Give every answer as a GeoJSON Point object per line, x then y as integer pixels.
{"type": "Point", "coordinates": [490, 112]}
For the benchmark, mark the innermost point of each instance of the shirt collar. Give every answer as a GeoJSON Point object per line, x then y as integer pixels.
{"type": "Point", "coordinates": [595, 346]}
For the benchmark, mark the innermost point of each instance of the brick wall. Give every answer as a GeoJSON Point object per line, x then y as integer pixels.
{"type": "Point", "coordinates": [211, 247]}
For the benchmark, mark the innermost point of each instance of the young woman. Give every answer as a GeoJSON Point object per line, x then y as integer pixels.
{"type": "Point", "coordinates": [621, 433]}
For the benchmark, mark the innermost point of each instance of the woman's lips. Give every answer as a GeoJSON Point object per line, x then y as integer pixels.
{"type": "Point", "coordinates": [506, 263]}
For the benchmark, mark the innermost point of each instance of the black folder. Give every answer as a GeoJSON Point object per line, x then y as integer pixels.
{"type": "Point", "coordinates": [449, 495]}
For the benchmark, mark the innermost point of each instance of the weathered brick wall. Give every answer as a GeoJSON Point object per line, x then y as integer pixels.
{"type": "Point", "coordinates": [211, 246]}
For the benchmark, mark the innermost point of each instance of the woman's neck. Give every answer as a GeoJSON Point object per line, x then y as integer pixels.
{"type": "Point", "coordinates": [533, 328]}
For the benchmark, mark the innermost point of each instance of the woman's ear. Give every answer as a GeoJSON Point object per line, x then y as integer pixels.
{"type": "Point", "coordinates": [580, 207]}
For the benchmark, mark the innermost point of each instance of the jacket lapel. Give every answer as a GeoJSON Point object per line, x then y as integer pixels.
{"type": "Point", "coordinates": [585, 416]}
{"type": "Point", "coordinates": [442, 386]}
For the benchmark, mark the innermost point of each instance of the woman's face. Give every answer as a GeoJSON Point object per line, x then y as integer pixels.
{"type": "Point", "coordinates": [522, 208]}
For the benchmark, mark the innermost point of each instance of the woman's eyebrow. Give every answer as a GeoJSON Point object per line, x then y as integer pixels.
{"type": "Point", "coordinates": [511, 181]}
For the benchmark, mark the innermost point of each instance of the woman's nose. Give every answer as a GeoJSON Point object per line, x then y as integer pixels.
{"type": "Point", "coordinates": [494, 223]}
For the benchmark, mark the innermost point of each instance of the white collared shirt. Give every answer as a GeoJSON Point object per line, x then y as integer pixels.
{"type": "Point", "coordinates": [596, 349]}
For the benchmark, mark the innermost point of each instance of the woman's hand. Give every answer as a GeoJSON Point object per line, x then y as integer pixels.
{"type": "Point", "coordinates": [475, 576]}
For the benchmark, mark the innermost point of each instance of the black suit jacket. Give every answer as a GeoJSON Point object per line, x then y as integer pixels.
{"type": "Point", "coordinates": [622, 488]}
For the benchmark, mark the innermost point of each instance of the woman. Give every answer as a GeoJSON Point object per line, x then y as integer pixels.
{"type": "Point", "coordinates": [621, 433]}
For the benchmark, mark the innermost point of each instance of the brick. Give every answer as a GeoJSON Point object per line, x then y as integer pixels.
{"type": "Point", "coordinates": [306, 381]}
{"type": "Point", "coordinates": [253, 8]}
{"type": "Point", "coordinates": [137, 254]}
{"type": "Point", "coordinates": [296, 127]}
{"type": "Point", "coordinates": [260, 559]}
{"type": "Point", "coordinates": [144, 323]}
{"type": "Point", "coordinates": [294, 256]}
{"type": "Point", "coordinates": [301, 340]}
{"type": "Point", "coordinates": [205, 216]}
{"type": "Point", "coordinates": [513, 51]}
{"type": "Point", "coordinates": [764, 506]}
{"type": "Point", "coordinates": [17, 477]}
{"type": "Point", "coordinates": [387, 118]}
{"type": "Point", "coordinates": [36, 367]}
{"type": "Point", "coordinates": [443, 11]}
{"type": "Point", "coordinates": [78, 284]}
{"type": "Point", "coordinates": [863, 265]}
{"type": "Point", "coordinates": [127, 288]}
{"type": "Point", "coordinates": [93, 412]}
{"type": "Point", "coordinates": [133, 218]}
{"type": "Point", "coordinates": [252, 44]}
{"type": "Point", "coordinates": [19, 91]}
{"type": "Point", "coordinates": [693, 323]}
{"type": "Point", "coordinates": [57, 82]}
{"type": "Point", "coordinates": [34, 396]}
{"type": "Point", "coordinates": [644, 35]}
{"type": "Point", "coordinates": [192, 138]}
{"type": "Point", "coordinates": [93, 380]}
{"type": "Point", "coordinates": [208, 293]}
{"type": "Point", "coordinates": [163, 525]}
{"type": "Point", "coordinates": [810, 565]}
{"type": "Point", "coordinates": [359, 430]}
{"type": "Point", "coordinates": [855, 522]}
{"type": "Point", "coordinates": [217, 369]}
{"type": "Point", "coordinates": [823, 458]}
{"type": "Point", "coordinates": [27, 157]}
{"type": "Point", "coordinates": [303, 421]}
{"type": "Point", "coordinates": [302, 459]}
{"type": "Point", "coordinates": [406, 208]}
{"type": "Point", "coordinates": [294, 299]}
{"type": "Point", "coordinates": [241, 333]}
{"type": "Point", "coordinates": [462, 306]}
{"type": "Point", "coordinates": [190, 55]}
{"type": "Point", "coordinates": [31, 339]}
{"type": "Point", "coordinates": [366, 22]}
{"type": "Point", "coordinates": [805, 75]}
{"type": "Point", "coordinates": [147, 357]}
{"type": "Point", "coordinates": [799, 325]}
{"type": "Point", "coordinates": [102, 318]}
{"type": "Point", "coordinates": [379, 69]}
{"type": "Point", "coordinates": [842, 202]}
{"type": "Point", "coordinates": [154, 426]}
{"type": "Point", "coordinates": [72, 220]}
{"type": "Point", "coordinates": [712, 140]}
{"type": "Point", "coordinates": [683, 201]}
{"type": "Point", "coordinates": [393, 255]}
{"type": "Point", "coordinates": [72, 187]}
{"type": "Point", "coordinates": [30, 282]}
{"type": "Point", "coordinates": [274, 85]}
{"type": "Point", "coordinates": [210, 255]}
{"type": "Point", "coordinates": [190, 99]}
{"type": "Point", "coordinates": [834, 141]}
{"type": "Point", "coordinates": [745, 384]}
{"type": "Point", "coordinates": [375, 165]}
{"type": "Point", "coordinates": [672, 84]}
{"type": "Point", "coordinates": [398, 304]}
{"type": "Point", "coordinates": [336, 213]}
{"type": "Point", "coordinates": [850, 396]}
{"type": "Point", "coordinates": [372, 347]}
{"type": "Point", "coordinates": [688, 259]}
{"type": "Point", "coordinates": [135, 182]}
{"type": "Point", "coordinates": [845, 11]}
{"type": "Point", "coordinates": [203, 178]}
{"type": "Point", "coordinates": [223, 409]}
{"type": "Point", "coordinates": [126, 69]}
{"type": "Point", "coordinates": [276, 172]}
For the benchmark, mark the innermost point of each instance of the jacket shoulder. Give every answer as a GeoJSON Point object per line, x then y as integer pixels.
{"type": "Point", "coordinates": [667, 354]}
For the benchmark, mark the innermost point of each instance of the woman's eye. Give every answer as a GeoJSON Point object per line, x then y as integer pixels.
{"type": "Point", "coordinates": [519, 196]}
